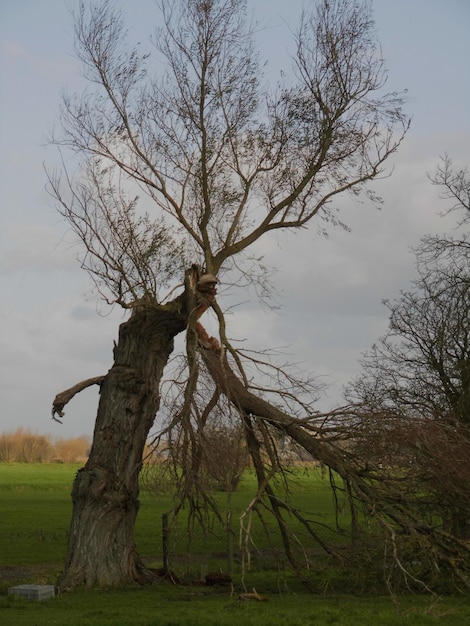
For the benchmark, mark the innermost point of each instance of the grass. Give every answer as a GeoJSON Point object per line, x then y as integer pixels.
{"type": "Point", "coordinates": [36, 509]}
{"type": "Point", "coordinates": [35, 514]}
{"type": "Point", "coordinates": [168, 605]}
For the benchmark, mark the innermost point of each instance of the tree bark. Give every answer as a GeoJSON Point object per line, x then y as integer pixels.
{"type": "Point", "coordinates": [105, 495]}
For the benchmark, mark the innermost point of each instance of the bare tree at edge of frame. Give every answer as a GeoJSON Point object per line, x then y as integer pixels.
{"type": "Point", "coordinates": [414, 398]}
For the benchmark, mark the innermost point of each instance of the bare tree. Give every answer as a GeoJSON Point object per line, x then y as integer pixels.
{"type": "Point", "coordinates": [414, 394]}
{"type": "Point", "coordinates": [454, 185]}
{"type": "Point", "coordinates": [181, 173]}
{"type": "Point", "coordinates": [420, 371]}
{"type": "Point", "coordinates": [420, 362]}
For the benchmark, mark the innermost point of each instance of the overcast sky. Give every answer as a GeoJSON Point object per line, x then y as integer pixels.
{"type": "Point", "coordinates": [51, 334]}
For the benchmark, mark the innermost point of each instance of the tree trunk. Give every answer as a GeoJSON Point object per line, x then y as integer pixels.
{"type": "Point", "coordinates": [105, 495]}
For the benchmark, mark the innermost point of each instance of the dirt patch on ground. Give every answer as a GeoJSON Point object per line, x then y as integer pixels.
{"type": "Point", "coordinates": [12, 572]}
{"type": "Point", "coordinates": [11, 575]}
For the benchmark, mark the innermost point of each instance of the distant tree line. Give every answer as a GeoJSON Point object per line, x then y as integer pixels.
{"type": "Point", "coordinates": [24, 446]}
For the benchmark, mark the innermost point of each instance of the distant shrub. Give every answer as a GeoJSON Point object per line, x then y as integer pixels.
{"type": "Point", "coordinates": [24, 446]}
{"type": "Point", "coordinates": [73, 450]}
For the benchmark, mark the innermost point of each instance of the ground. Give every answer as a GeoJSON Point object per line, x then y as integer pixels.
{"type": "Point", "coordinates": [14, 573]}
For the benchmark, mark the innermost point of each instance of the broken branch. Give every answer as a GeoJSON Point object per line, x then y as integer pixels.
{"type": "Point", "coordinates": [64, 397]}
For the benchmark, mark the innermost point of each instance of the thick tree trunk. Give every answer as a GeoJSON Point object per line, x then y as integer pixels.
{"type": "Point", "coordinates": [101, 549]}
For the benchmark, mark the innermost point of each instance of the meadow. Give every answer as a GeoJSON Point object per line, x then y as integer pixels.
{"type": "Point", "coordinates": [35, 511]}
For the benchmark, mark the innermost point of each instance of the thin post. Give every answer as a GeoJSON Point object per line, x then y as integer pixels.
{"type": "Point", "coordinates": [165, 537]}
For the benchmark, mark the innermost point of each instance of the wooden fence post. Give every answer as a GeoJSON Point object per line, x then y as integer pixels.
{"type": "Point", "coordinates": [165, 538]}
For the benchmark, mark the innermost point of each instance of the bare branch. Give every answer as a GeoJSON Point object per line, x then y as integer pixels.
{"type": "Point", "coordinates": [454, 184]}
{"type": "Point", "coordinates": [64, 397]}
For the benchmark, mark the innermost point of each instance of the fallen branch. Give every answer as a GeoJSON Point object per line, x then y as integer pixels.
{"type": "Point", "coordinates": [382, 495]}
{"type": "Point", "coordinates": [252, 596]}
{"type": "Point", "coordinates": [250, 404]}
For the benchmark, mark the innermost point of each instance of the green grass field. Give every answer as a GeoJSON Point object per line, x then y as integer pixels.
{"type": "Point", "coordinates": [35, 511]}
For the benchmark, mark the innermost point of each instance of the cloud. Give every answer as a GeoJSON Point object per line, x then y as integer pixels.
{"type": "Point", "coordinates": [13, 49]}
{"type": "Point", "coordinates": [331, 289]}
{"type": "Point", "coordinates": [20, 57]}
{"type": "Point", "coordinates": [33, 246]}
{"type": "Point", "coordinates": [331, 292]}
{"type": "Point", "coordinates": [48, 351]}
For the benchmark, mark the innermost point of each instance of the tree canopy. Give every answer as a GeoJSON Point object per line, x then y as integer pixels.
{"type": "Point", "coordinates": [188, 156]}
